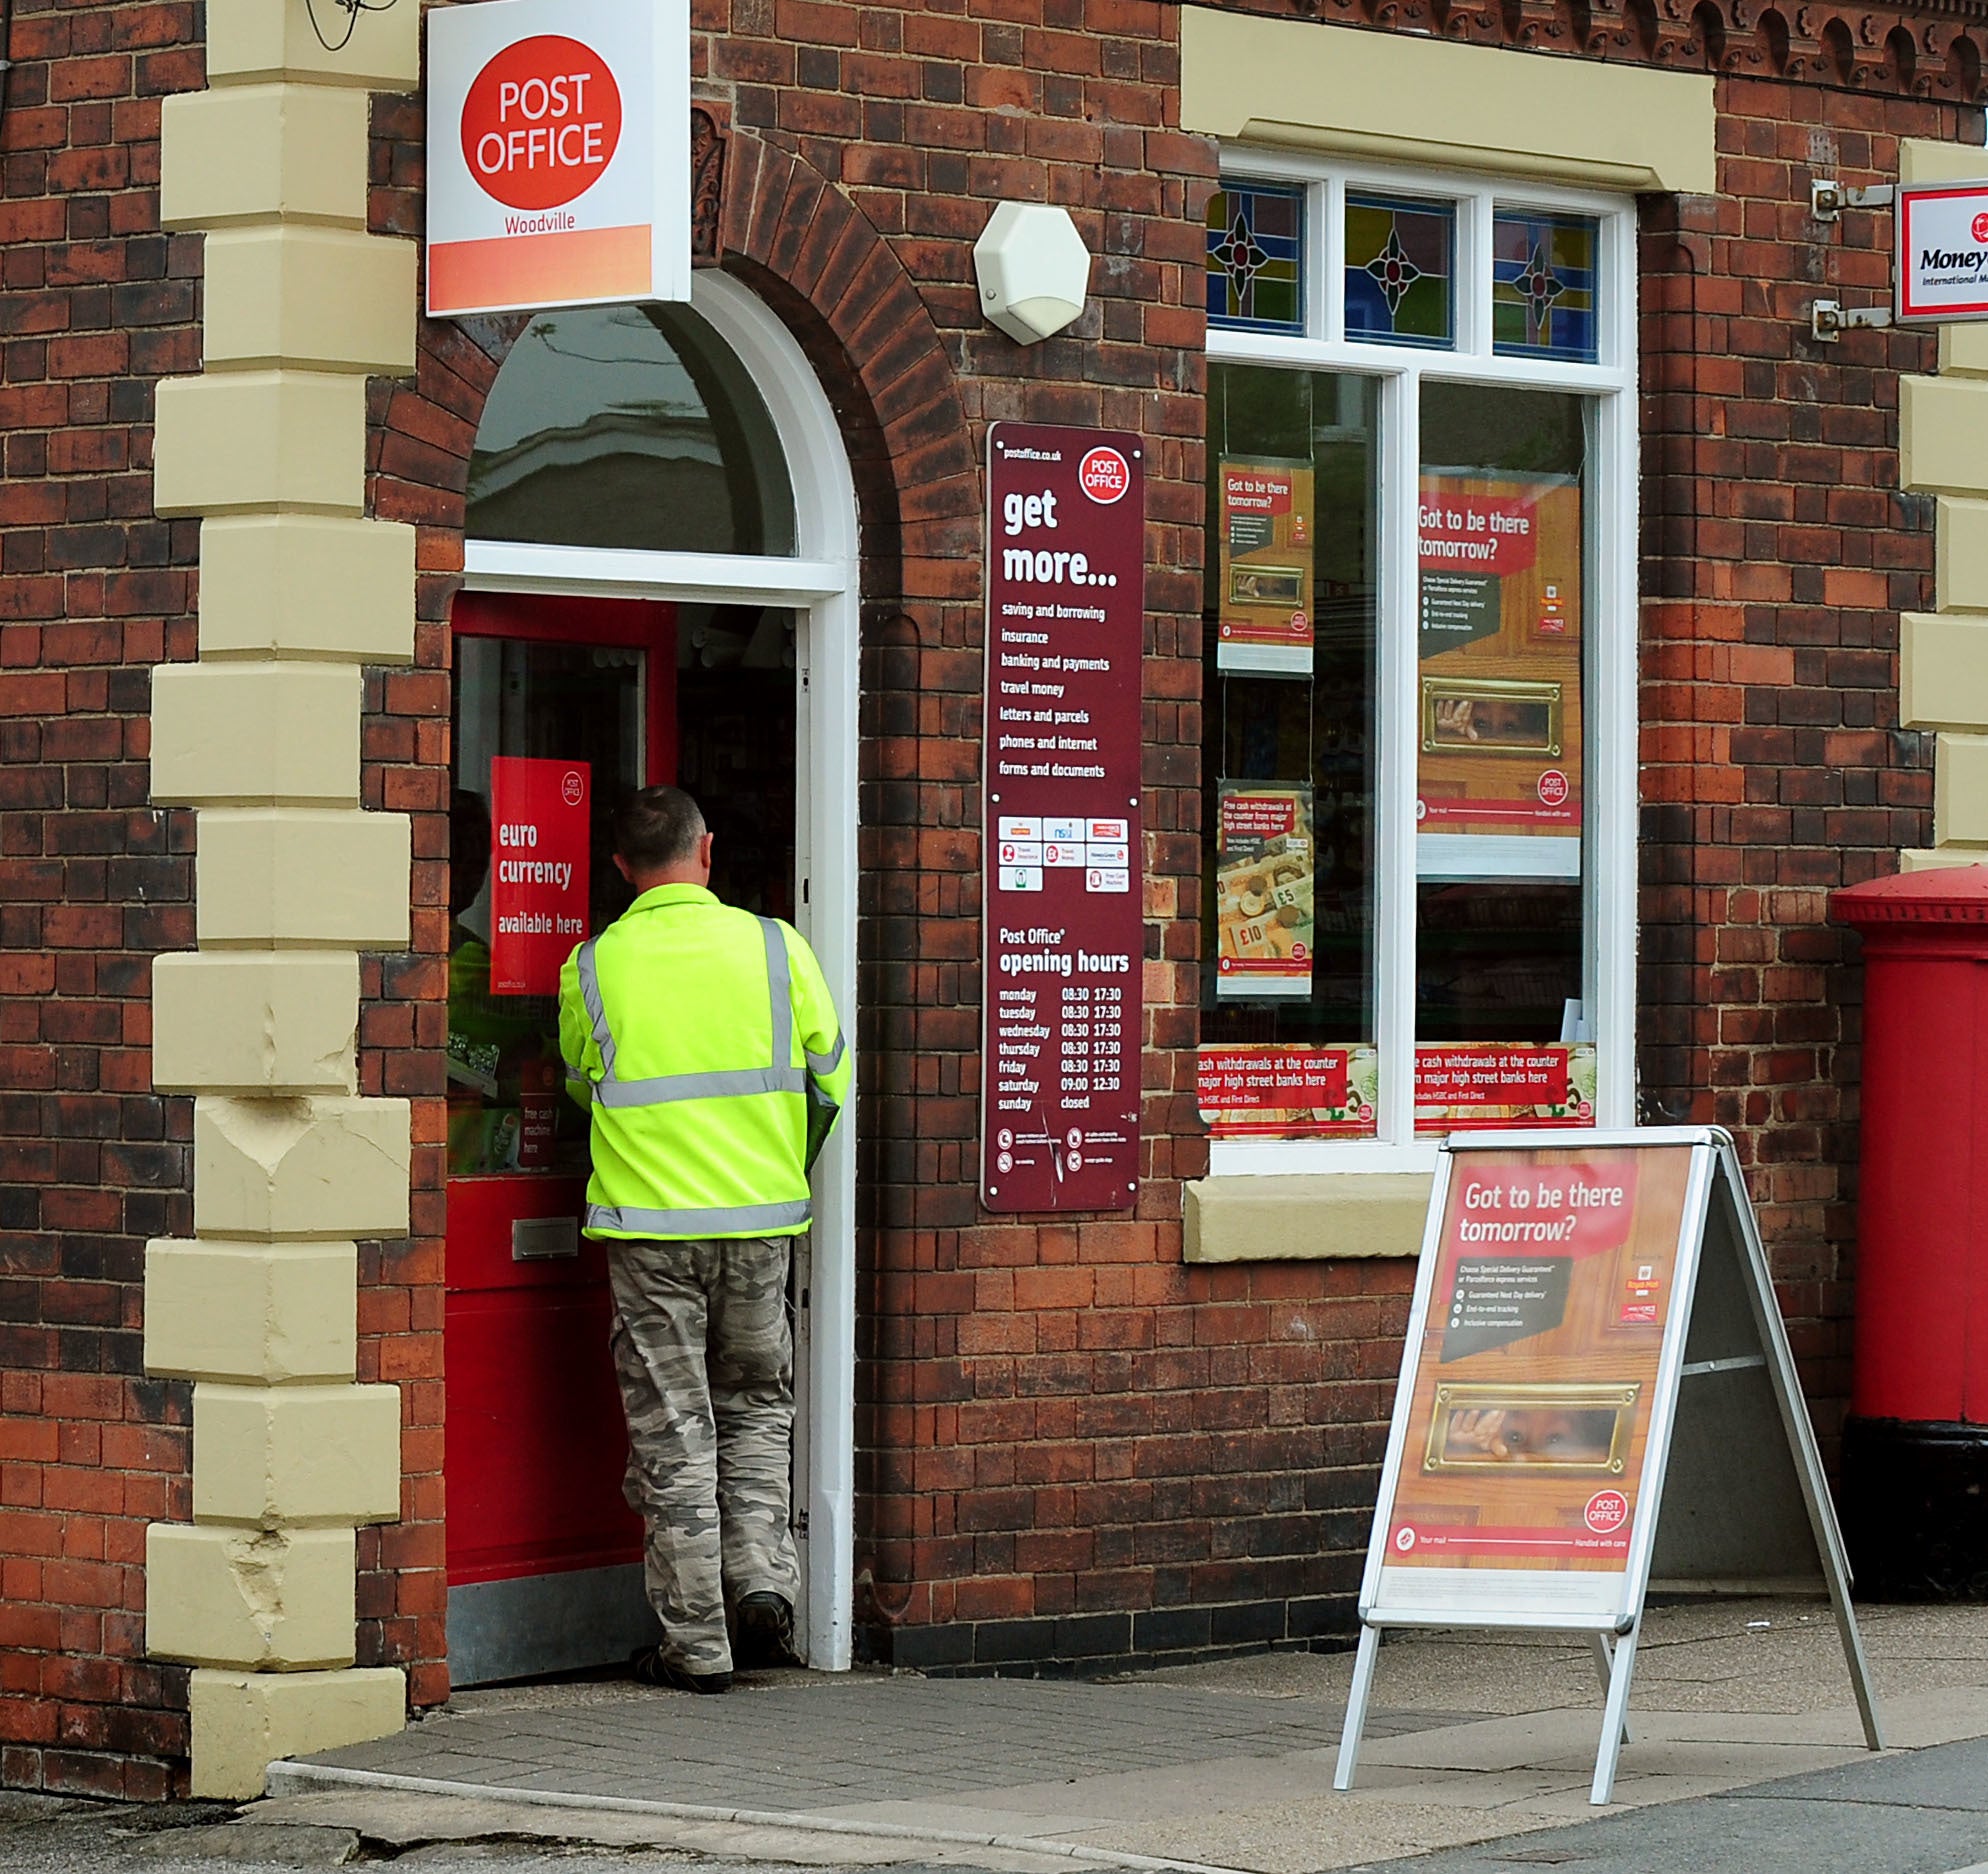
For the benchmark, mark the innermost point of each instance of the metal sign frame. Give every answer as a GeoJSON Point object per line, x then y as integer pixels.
{"type": "Point", "coordinates": [1739, 1342]}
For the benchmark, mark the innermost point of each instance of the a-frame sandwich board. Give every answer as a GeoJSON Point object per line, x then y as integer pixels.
{"type": "Point", "coordinates": [1597, 1399]}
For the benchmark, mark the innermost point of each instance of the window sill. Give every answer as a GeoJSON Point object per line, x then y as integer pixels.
{"type": "Point", "coordinates": [1306, 1217]}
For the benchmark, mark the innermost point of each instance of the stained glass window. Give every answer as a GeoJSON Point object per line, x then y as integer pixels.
{"type": "Point", "coordinates": [1256, 250]}
{"type": "Point", "coordinates": [1543, 285]}
{"type": "Point", "coordinates": [1400, 262]}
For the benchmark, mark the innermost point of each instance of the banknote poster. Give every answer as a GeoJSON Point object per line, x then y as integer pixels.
{"type": "Point", "coordinates": [1265, 864]}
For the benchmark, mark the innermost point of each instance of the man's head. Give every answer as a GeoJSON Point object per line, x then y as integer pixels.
{"type": "Point", "coordinates": [660, 839]}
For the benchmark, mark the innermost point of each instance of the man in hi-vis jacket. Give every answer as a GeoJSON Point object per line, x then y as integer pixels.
{"type": "Point", "coordinates": [704, 1041]}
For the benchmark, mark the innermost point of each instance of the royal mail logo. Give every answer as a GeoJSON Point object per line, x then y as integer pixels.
{"type": "Point", "coordinates": [1104, 475]}
{"type": "Point", "coordinates": [541, 123]}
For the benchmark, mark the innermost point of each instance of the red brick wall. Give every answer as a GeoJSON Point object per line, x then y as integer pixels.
{"type": "Point", "coordinates": [97, 305]}
{"type": "Point", "coordinates": [1778, 554]}
{"type": "Point", "coordinates": [1069, 1443]}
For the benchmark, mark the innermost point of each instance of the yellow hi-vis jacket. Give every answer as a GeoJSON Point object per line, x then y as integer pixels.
{"type": "Point", "coordinates": [705, 1041]}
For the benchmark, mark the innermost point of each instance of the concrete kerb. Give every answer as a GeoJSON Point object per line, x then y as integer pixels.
{"type": "Point", "coordinates": [297, 1779]}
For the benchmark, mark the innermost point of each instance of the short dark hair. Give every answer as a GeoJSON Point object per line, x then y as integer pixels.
{"type": "Point", "coordinates": [658, 826]}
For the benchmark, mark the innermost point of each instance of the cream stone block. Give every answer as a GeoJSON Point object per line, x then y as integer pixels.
{"type": "Point", "coordinates": [1397, 98]}
{"type": "Point", "coordinates": [256, 1022]}
{"type": "Point", "coordinates": [293, 1456]}
{"type": "Point", "coordinates": [1941, 424]}
{"type": "Point", "coordinates": [1961, 555]}
{"type": "Point", "coordinates": [260, 439]}
{"type": "Point", "coordinates": [1964, 350]}
{"type": "Point", "coordinates": [1921, 159]}
{"type": "Point", "coordinates": [1960, 790]}
{"type": "Point", "coordinates": [323, 298]}
{"type": "Point", "coordinates": [304, 586]}
{"type": "Point", "coordinates": [263, 153]}
{"type": "Point", "coordinates": [1306, 1216]}
{"type": "Point", "coordinates": [261, 39]}
{"type": "Point", "coordinates": [1925, 860]}
{"type": "Point", "coordinates": [301, 1168]}
{"type": "Point", "coordinates": [249, 1313]}
{"type": "Point", "coordinates": [281, 734]}
{"type": "Point", "coordinates": [293, 877]}
{"type": "Point", "coordinates": [249, 1598]}
{"type": "Point", "coordinates": [1943, 670]}
{"type": "Point", "coordinates": [245, 1721]}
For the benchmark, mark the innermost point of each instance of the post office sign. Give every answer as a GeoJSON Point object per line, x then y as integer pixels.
{"type": "Point", "coordinates": [558, 154]}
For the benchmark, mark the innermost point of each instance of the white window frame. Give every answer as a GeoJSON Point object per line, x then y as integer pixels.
{"type": "Point", "coordinates": [1610, 633]}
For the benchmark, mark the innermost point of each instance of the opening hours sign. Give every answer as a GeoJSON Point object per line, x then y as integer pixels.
{"type": "Point", "coordinates": [1064, 941]}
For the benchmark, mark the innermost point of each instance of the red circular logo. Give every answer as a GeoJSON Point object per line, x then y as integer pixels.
{"type": "Point", "coordinates": [1980, 227]}
{"type": "Point", "coordinates": [572, 787]}
{"type": "Point", "coordinates": [1104, 475]}
{"type": "Point", "coordinates": [541, 122]}
{"type": "Point", "coordinates": [1552, 787]}
{"type": "Point", "coordinates": [1607, 1511]}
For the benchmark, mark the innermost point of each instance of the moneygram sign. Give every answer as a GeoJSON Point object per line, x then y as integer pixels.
{"type": "Point", "coordinates": [558, 154]}
{"type": "Point", "coordinates": [1943, 251]}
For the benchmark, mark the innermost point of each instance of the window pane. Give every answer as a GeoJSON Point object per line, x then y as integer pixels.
{"type": "Point", "coordinates": [1288, 979]}
{"type": "Point", "coordinates": [571, 702]}
{"type": "Point", "coordinates": [1543, 285]}
{"type": "Point", "coordinates": [1399, 268]}
{"type": "Point", "coordinates": [629, 426]}
{"type": "Point", "coordinates": [1504, 597]}
{"type": "Point", "coordinates": [1256, 250]}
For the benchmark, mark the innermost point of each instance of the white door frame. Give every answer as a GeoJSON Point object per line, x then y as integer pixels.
{"type": "Point", "coordinates": [820, 584]}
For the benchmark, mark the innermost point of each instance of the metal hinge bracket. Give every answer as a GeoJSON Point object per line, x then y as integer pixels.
{"type": "Point", "coordinates": [1829, 319]}
{"type": "Point", "coordinates": [1828, 198]}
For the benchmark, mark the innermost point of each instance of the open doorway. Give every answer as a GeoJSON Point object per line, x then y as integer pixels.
{"type": "Point", "coordinates": [665, 628]}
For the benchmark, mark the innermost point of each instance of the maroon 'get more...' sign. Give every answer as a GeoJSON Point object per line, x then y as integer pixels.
{"type": "Point", "coordinates": [1064, 939]}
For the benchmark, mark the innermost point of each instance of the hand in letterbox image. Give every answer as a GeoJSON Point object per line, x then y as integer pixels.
{"type": "Point", "coordinates": [1547, 1426]}
{"type": "Point", "coordinates": [1539, 1435]}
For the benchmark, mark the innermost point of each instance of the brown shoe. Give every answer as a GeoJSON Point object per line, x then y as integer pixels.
{"type": "Point", "coordinates": [647, 1666]}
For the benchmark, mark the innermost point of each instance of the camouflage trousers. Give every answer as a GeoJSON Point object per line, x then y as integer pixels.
{"type": "Point", "coordinates": [705, 1359]}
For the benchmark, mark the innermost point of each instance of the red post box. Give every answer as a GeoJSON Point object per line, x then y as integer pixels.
{"type": "Point", "coordinates": [1915, 1449]}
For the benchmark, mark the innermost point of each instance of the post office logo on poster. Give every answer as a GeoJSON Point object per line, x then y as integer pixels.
{"type": "Point", "coordinates": [1104, 475]}
{"type": "Point", "coordinates": [542, 122]}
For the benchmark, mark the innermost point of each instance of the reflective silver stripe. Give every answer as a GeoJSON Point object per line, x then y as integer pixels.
{"type": "Point", "coordinates": [590, 993]}
{"type": "Point", "coordinates": [824, 1064]}
{"type": "Point", "coordinates": [780, 989]}
{"type": "Point", "coordinates": [732, 1083]}
{"type": "Point", "coordinates": [731, 1220]}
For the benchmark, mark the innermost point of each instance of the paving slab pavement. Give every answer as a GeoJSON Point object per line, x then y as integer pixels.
{"type": "Point", "coordinates": [1475, 1739]}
